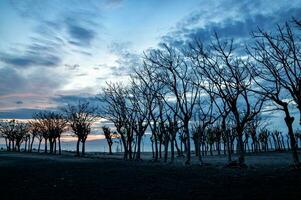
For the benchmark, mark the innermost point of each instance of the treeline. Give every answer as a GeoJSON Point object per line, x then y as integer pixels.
{"type": "Point", "coordinates": [210, 93]}
{"type": "Point", "coordinates": [48, 126]}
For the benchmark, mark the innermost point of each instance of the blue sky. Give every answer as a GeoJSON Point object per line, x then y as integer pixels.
{"type": "Point", "coordinates": [53, 52]}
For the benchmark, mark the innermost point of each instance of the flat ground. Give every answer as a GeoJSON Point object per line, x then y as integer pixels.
{"type": "Point", "coordinates": [39, 176]}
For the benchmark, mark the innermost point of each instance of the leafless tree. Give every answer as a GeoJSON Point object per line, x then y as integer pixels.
{"type": "Point", "coordinates": [51, 124]}
{"type": "Point", "coordinates": [231, 80]}
{"type": "Point", "coordinates": [178, 76]}
{"type": "Point", "coordinates": [7, 129]}
{"type": "Point", "coordinates": [140, 98]}
{"type": "Point", "coordinates": [35, 131]}
{"type": "Point", "coordinates": [20, 132]}
{"type": "Point", "coordinates": [80, 118]}
{"type": "Point", "coordinates": [204, 116]}
{"type": "Point", "coordinates": [15, 133]}
{"type": "Point", "coordinates": [146, 74]}
{"type": "Point", "coordinates": [277, 67]}
{"type": "Point", "coordinates": [108, 136]}
{"type": "Point", "coordinates": [115, 108]}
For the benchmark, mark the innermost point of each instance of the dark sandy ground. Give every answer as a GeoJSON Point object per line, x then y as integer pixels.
{"type": "Point", "coordinates": [36, 176]}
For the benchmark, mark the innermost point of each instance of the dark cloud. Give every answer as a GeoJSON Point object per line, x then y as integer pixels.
{"type": "Point", "coordinates": [249, 15]}
{"type": "Point", "coordinates": [38, 82]}
{"type": "Point", "coordinates": [81, 74]}
{"type": "Point", "coordinates": [72, 67]}
{"type": "Point", "coordinates": [19, 102]}
{"type": "Point", "coordinates": [32, 59]}
{"type": "Point", "coordinates": [57, 23]}
{"type": "Point", "coordinates": [43, 50]}
{"type": "Point", "coordinates": [80, 36]}
{"type": "Point", "coordinates": [83, 52]}
{"type": "Point", "coordinates": [11, 80]}
{"type": "Point", "coordinates": [62, 100]}
{"type": "Point", "coordinates": [23, 113]}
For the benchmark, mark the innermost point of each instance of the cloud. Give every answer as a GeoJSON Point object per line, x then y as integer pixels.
{"type": "Point", "coordinates": [11, 81]}
{"type": "Point", "coordinates": [231, 19]}
{"type": "Point", "coordinates": [19, 102]}
{"type": "Point", "coordinates": [28, 90]}
{"type": "Point", "coordinates": [71, 22]}
{"type": "Point", "coordinates": [23, 113]}
{"type": "Point", "coordinates": [72, 67]}
{"type": "Point", "coordinates": [80, 36]}
{"type": "Point", "coordinates": [127, 59]}
{"type": "Point", "coordinates": [31, 59]}
{"type": "Point", "coordinates": [63, 100]}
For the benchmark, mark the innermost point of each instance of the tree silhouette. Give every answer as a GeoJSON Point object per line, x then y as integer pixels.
{"type": "Point", "coordinates": [80, 118]}
{"type": "Point", "coordinates": [108, 136]}
{"type": "Point", "coordinates": [278, 74]}
{"type": "Point", "coordinates": [231, 81]}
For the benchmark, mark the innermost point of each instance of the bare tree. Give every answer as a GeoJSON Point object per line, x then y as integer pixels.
{"type": "Point", "coordinates": [231, 81]}
{"type": "Point", "coordinates": [115, 108]}
{"type": "Point", "coordinates": [146, 74]}
{"type": "Point", "coordinates": [278, 72]}
{"type": "Point", "coordinates": [52, 125]}
{"type": "Point", "coordinates": [7, 129]}
{"type": "Point", "coordinates": [20, 132]}
{"type": "Point", "coordinates": [108, 136]}
{"type": "Point", "coordinates": [177, 74]}
{"type": "Point", "coordinates": [80, 118]}
{"type": "Point", "coordinates": [204, 116]}
{"type": "Point", "coordinates": [139, 97]}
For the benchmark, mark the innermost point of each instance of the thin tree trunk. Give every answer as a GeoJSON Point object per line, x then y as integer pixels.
{"type": "Point", "coordinates": [153, 153]}
{"type": "Point", "coordinates": [156, 148]}
{"type": "Point", "coordinates": [45, 145]}
{"type": "Point", "coordinates": [77, 147]}
{"type": "Point", "coordinates": [138, 147]}
{"type": "Point", "coordinates": [60, 150]}
{"type": "Point", "coordinates": [31, 144]}
{"type": "Point", "coordinates": [166, 150]}
{"type": "Point", "coordinates": [241, 153]}
{"type": "Point", "coordinates": [39, 147]}
{"type": "Point", "coordinates": [186, 131]}
{"type": "Point", "coordinates": [83, 147]}
{"type": "Point", "coordinates": [172, 149]}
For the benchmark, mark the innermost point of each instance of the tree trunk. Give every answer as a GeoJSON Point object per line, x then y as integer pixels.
{"type": "Point", "coordinates": [60, 150]}
{"type": "Point", "coordinates": [166, 150]}
{"type": "Point", "coordinates": [83, 147]}
{"type": "Point", "coordinates": [289, 122]}
{"type": "Point", "coordinates": [110, 148]}
{"type": "Point", "coordinates": [39, 147]}
{"type": "Point", "coordinates": [54, 141]}
{"type": "Point", "coordinates": [77, 147]}
{"type": "Point", "coordinates": [172, 149]}
{"type": "Point", "coordinates": [45, 145]}
{"type": "Point", "coordinates": [156, 148]}
{"type": "Point", "coordinates": [241, 153]}
{"type": "Point", "coordinates": [153, 153]}
{"type": "Point", "coordinates": [196, 148]}
{"type": "Point", "coordinates": [138, 147]}
{"type": "Point", "coordinates": [9, 145]}
{"type": "Point", "coordinates": [177, 147]}
{"type": "Point", "coordinates": [160, 148]}
{"type": "Point", "coordinates": [25, 145]}
{"type": "Point", "coordinates": [186, 131]}
{"type": "Point", "coordinates": [31, 144]}
{"type": "Point", "coordinates": [125, 148]}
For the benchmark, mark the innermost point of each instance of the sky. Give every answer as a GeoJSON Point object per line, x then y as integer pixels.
{"type": "Point", "coordinates": [54, 52]}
